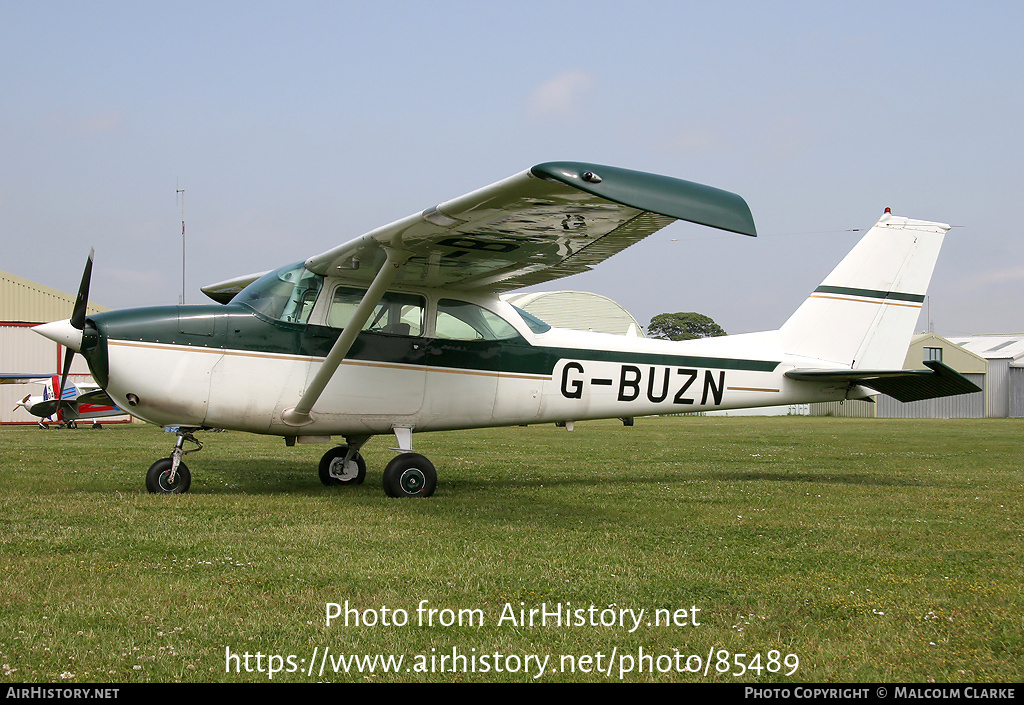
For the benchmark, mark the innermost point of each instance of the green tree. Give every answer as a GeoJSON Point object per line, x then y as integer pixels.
{"type": "Point", "coordinates": [683, 326]}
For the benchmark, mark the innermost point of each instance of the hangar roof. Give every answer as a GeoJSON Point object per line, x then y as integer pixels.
{"type": "Point", "coordinates": [993, 347]}
{"type": "Point", "coordinates": [25, 301]}
{"type": "Point", "coordinates": [578, 310]}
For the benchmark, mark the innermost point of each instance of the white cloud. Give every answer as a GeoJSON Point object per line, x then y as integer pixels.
{"type": "Point", "coordinates": [559, 96]}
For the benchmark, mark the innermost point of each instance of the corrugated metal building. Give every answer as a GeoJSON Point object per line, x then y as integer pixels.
{"type": "Point", "coordinates": [1005, 357]}
{"type": "Point", "coordinates": [24, 304]}
{"type": "Point", "coordinates": [1017, 389]}
{"type": "Point", "coordinates": [578, 310]}
{"type": "Point", "coordinates": [927, 346]}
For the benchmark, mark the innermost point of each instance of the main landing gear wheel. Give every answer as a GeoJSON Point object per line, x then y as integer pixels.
{"type": "Point", "coordinates": [158, 479]}
{"type": "Point", "coordinates": [335, 471]}
{"type": "Point", "coordinates": [410, 475]}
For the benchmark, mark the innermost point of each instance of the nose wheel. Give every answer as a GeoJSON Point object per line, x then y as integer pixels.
{"type": "Point", "coordinates": [161, 480]}
{"type": "Point", "coordinates": [170, 475]}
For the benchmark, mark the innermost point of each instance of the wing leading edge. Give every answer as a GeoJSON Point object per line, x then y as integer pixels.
{"type": "Point", "coordinates": [551, 221]}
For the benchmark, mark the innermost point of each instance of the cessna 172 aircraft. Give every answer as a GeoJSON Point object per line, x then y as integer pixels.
{"type": "Point", "coordinates": [402, 330]}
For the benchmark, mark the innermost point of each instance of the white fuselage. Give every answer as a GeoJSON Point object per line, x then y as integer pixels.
{"type": "Point", "coordinates": [585, 376]}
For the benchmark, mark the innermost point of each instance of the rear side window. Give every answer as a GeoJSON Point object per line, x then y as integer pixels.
{"type": "Point", "coordinates": [459, 320]}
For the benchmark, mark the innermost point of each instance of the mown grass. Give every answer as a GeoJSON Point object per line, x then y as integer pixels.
{"type": "Point", "coordinates": [874, 550]}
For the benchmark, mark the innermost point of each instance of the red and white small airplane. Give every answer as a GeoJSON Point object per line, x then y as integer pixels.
{"type": "Point", "coordinates": [403, 330]}
{"type": "Point", "coordinates": [77, 402]}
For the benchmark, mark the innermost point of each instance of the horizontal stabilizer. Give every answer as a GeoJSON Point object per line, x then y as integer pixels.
{"type": "Point", "coordinates": [903, 385]}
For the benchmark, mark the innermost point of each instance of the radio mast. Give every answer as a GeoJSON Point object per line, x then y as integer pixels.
{"type": "Point", "coordinates": [182, 192]}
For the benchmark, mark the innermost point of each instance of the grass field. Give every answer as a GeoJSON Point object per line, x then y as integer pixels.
{"type": "Point", "coordinates": [807, 549]}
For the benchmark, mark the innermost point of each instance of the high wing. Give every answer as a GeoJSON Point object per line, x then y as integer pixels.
{"type": "Point", "coordinates": [551, 221]}
{"type": "Point", "coordinates": [938, 380]}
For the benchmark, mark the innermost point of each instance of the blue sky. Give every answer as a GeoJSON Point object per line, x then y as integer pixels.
{"type": "Point", "coordinates": [296, 126]}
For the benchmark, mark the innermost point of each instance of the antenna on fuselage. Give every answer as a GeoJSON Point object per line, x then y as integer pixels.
{"type": "Point", "coordinates": [182, 192]}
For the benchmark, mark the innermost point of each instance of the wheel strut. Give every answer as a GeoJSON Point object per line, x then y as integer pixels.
{"type": "Point", "coordinates": [184, 434]}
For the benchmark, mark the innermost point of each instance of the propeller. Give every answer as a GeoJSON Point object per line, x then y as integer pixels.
{"type": "Point", "coordinates": [23, 402]}
{"type": "Point", "coordinates": [77, 320]}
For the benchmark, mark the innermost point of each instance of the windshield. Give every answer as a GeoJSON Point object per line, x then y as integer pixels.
{"type": "Point", "coordinates": [287, 294]}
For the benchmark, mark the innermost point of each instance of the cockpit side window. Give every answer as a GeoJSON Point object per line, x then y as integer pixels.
{"type": "Point", "coordinates": [459, 320]}
{"type": "Point", "coordinates": [397, 314]}
{"type": "Point", "coordinates": [287, 294]}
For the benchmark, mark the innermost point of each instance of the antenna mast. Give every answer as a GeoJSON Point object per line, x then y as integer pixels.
{"type": "Point", "coordinates": [182, 192]}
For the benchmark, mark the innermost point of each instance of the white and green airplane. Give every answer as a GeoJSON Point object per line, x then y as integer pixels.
{"type": "Point", "coordinates": [403, 330]}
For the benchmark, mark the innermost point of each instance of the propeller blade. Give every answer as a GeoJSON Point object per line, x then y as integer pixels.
{"type": "Point", "coordinates": [82, 300]}
{"type": "Point", "coordinates": [77, 319]}
{"type": "Point", "coordinates": [64, 377]}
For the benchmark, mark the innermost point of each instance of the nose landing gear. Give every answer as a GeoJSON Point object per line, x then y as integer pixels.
{"type": "Point", "coordinates": [170, 475]}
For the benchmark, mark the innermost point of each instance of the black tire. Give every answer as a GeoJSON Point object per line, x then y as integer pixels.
{"type": "Point", "coordinates": [332, 473]}
{"type": "Point", "coordinates": [410, 475]}
{"type": "Point", "coordinates": [156, 478]}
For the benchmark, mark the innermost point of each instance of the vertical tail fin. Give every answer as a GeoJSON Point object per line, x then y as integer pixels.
{"type": "Point", "coordinates": [863, 314]}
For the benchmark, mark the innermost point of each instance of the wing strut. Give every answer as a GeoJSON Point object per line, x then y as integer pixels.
{"type": "Point", "coordinates": [299, 415]}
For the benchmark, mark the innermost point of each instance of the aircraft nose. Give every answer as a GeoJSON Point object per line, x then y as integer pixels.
{"type": "Point", "coordinates": [62, 332]}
